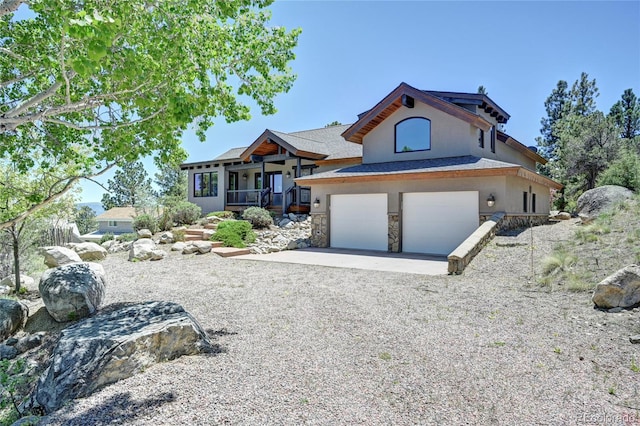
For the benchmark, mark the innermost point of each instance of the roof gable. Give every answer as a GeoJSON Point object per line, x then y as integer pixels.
{"type": "Point", "coordinates": [118, 213]}
{"type": "Point", "coordinates": [394, 101]}
{"type": "Point", "coordinates": [520, 147]}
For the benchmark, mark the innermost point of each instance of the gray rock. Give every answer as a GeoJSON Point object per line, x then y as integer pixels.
{"type": "Point", "coordinates": [635, 339]}
{"type": "Point", "coordinates": [594, 202]}
{"type": "Point", "coordinates": [7, 352]}
{"type": "Point", "coordinates": [158, 255]}
{"type": "Point", "coordinates": [622, 289]}
{"type": "Point", "coordinates": [293, 217]}
{"type": "Point", "coordinates": [145, 233]}
{"type": "Point", "coordinates": [57, 256]}
{"type": "Point", "coordinates": [25, 281]}
{"type": "Point", "coordinates": [5, 289]}
{"type": "Point", "coordinates": [142, 249]}
{"type": "Point", "coordinates": [167, 238]}
{"type": "Point", "coordinates": [115, 345]}
{"type": "Point", "coordinates": [560, 216]}
{"type": "Point", "coordinates": [27, 421]}
{"type": "Point", "coordinates": [179, 246]}
{"type": "Point", "coordinates": [284, 222]}
{"type": "Point", "coordinates": [11, 341]}
{"type": "Point", "coordinates": [29, 342]}
{"type": "Point", "coordinates": [90, 251]}
{"type": "Point", "coordinates": [107, 244]}
{"type": "Point", "coordinates": [73, 291]}
{"type": "Point", "coordinates": [13, 315]}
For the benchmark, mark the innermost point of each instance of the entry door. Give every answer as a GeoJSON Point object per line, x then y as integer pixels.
{"type": "Point", "coordinates": [275, 183]}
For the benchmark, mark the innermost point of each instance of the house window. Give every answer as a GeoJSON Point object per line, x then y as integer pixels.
{"type": "Point", "coordinates": [481, 138]}
{"type": "Point", "coordinates": [533, 203]}
{"type": "Point", "coordinates": [493, 140]}
{"type": "Point", "coordinates": [525, 196]}
{"type": "Point", "coordinates": [205, 184]}
{"type": "Point", "coordinates": [113, 223]}
{"type": "Point", "coordinates": [413, 134]}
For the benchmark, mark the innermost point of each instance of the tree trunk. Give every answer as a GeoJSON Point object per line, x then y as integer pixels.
{"type": "Point", "coordinates": [16, 256]}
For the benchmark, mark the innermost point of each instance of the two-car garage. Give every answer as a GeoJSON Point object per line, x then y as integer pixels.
{"type": "Point", "coordinates": [431, 222]}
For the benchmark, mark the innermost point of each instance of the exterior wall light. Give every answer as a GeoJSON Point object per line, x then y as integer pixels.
{"type": "Point", "coordinates": [491, 200]}
{"type": "Point", "coordinates": [244, 176]}
{"type": "Point", "coordinates": [316, 202]}
{"type": "Point", "coordinates": [288, 175]}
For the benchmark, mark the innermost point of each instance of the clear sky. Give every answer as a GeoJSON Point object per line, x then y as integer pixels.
{"type": "Point", "coordinates": [353, 53]}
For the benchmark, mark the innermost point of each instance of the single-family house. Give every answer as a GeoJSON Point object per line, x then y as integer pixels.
{"type": "Point", "coordinates": [434, 166]}
{"type": "Point", "coordinates": [117, 220]}
{"type": "Point", "coordinates": [416, 173]}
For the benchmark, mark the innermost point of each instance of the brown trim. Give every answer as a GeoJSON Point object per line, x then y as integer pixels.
{"type": "Point", "coordinates": [503, 171]}
{"type": "Point", "coordinates": [339, 161]}
{"type": "Point", "coordinates": [391, 103]}
{"type": "Point", "coordinates": [520, 147]}
{"type": "Point", "coordinates": [268, 134]}
{"type": "Point", "coordinates": [535, 177]}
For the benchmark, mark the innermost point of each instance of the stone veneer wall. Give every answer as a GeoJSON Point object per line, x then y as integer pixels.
{"type": "Point", "coordinates": [394, 233]}
{"type": "Point", "coordinates": [319, 228]}
{"type": "Point", "coordinates": [515, 222]}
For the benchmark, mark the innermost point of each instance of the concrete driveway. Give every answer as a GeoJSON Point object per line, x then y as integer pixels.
{"type": "Point", "coordinates": [358, 259]}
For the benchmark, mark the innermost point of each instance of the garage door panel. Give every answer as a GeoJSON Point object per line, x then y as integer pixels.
{"type": "Point", "coordinates": [437, 222]}
{"type": "Point", "coordinates": [359, 221]}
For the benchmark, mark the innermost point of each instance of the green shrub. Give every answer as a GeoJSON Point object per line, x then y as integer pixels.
{"type": "Point", "coordinates": [185, 213]}
{"type": "Point", "coordinates": [165, 221]}
{"type": "Point", "coordinates": [106, 237]}
{"type": "Point", "coordinates": [624, 171]}
{"type": "Point", "coordinates": [234, 233]}
{"type": "Point", "coordinates": [223, 214]}
{"type": "Point", "coordinates": [179, 234]}
{"type": "Point", "coordinates": [145, 221]}
{"type": "Point", "coordinates": [127, 237]}
{"type": "Point", "coordinates": [259, 217]}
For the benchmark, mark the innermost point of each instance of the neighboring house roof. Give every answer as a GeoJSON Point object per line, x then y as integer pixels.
{"type": "Point", "coordinates": [320, 144]}
{"type": "Point", "coordinates": [118, 213]}
{"type": "Point", "coordinates": [393, 101]}
{"type": "Point", "coordinates": [464, 166]}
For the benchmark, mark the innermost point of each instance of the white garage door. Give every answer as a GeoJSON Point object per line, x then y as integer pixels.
{"type": "Point", "coordinates": [437, 222]}
{"type": "Point", "coordinates": [359, 221]}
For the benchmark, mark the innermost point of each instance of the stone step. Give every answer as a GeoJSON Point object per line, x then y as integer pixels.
{"type": "Point", "coordinates": [190, 231]}
{"type": "Point", "coordinates": [192, 237]}
{"type": "Point", "coordinates": [211, 226]}
{"type": "Point", "coordinates": [216, 244]}
{"type": "Point", "coordinates": [230, 251]}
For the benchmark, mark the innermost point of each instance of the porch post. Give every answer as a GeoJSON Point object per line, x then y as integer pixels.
{"type": "Point", "coordinates": [298, 173]}
{"type": "Point", "coordinates": [263, 185]}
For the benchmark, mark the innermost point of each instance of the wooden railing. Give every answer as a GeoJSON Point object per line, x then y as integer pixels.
{"type": "Point", "coordinates": [244, 197]}
{"type": "Point", "coordinates": [297, 196]}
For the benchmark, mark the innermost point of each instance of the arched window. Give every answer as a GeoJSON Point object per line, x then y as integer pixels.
{"type": "Point", "coordinates": [413, 134]}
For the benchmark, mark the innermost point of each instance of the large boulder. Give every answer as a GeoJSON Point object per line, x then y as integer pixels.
{"type": "Point", "coordinates": [145, 233]}
{"type": "Point", "coordinates": [13, 316]}
{"type": "Point", "coordinates": [179, 246]}
{"type": "Point", "coordinates": [167, 238]}
{"type": "Point", "coordinates": [90, 251]}
{"type": "Point", "coordinates": [57, 256]}
{"type": "Point", "coordinates": [201, 247]}
{"type": "Point", "coordinates": [621, 289]}
{"type": "Point", "coordinates": [142, 249]}
{"type": "Point", "coordinates": [115, 345]}
{"type": "Point", "coordinates": [73, 291]}
{"type": "Point", "coordinates": [594, 202]}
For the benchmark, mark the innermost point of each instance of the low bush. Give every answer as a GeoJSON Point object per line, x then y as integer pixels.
{"type": "Point", "coordinates": [165, 221]}
{"type": "Point", "coordinates": [178, 235]}
{"type": "Point", "coordinates": [259, 217]}
{"type": "Point", "coordinates": [127, 237]}
{"type": "Point", "coordinates": [234, 233]}
{"type": "Point", "coordinates": [223, 214]}
{"type": "Point", "coordinates": [106, 237]}
{"type": "Point", "coordinates": [145, 221]}
{"type": "Point", "coordinates": [185, 213]}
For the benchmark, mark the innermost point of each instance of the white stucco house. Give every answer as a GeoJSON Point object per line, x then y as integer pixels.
{"type": "Point", "coordinates": [417, 172]}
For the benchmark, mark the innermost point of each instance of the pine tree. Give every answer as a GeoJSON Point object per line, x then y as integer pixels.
{"type": "Point", "coordinates": [583, 95]}
{"type": "Point", "coordinates": [129, 187]}
{"type": "Point", "coordinates": [626, 114]}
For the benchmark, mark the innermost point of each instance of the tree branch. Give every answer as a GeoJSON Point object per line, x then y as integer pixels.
{"type": "Point", "coordinates": [12, 54]}
{"type": "Point", "coordinates": [106, 127]}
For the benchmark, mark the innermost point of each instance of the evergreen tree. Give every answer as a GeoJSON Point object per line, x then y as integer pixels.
{"type": "Point", "coordinates": [85, 219]}
{"type": "Point", "coordinates": [626, 114]}
{"type": "Point", "coordinates": [583, 95]}
{"type": "Point", "coordinates": [129, 187]}
{"type": "Point", "coordinates": [172, 184]}
{"type": "Point", "coordinates": [482, 90]}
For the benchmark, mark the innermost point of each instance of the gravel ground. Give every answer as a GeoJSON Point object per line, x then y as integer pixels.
{"type": "Point", "coordinates": [319, 345]}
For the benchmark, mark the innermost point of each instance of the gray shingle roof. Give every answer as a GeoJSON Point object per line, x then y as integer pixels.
{"type": "Point", "coordinates": [335, 146]}
{"type": "Point", "coordinates": [468, 162]}
{"type": "Point", "coordinates": [232, 154]}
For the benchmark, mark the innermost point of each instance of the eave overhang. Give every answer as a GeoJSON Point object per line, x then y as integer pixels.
{"type": "Point", "coordinates": [268, 137]}
{"type": "Point", "coordinates": [393, 101]}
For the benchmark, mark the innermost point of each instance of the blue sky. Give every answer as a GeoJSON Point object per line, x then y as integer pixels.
{"type": "Point", "coordinates": [353, 53]}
